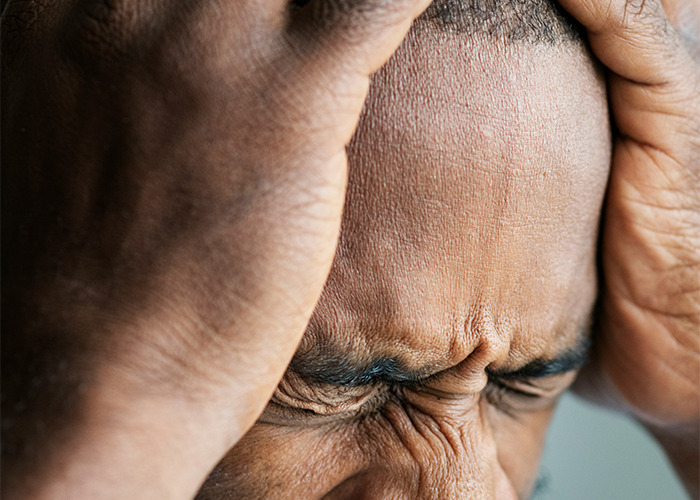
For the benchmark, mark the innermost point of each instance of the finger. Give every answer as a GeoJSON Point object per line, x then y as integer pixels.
{"type": "Point", "coordinates": [364, 32]}
{"type": "Point", "coordinates": [684, 15]}
{"type": "Point", "coordinates": [633, 38]}
{"type": "Point", "coordinates": [654, 88]}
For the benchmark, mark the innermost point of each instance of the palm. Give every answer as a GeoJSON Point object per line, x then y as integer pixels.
{"type": "Point", "coordinates": [650, 316]}
{"type": "Point", "coordinates": [647, 356]}
{"type": "Point", "coordinates": [178, 178]}
{"type": "Point", "coordinates": [647, 360]}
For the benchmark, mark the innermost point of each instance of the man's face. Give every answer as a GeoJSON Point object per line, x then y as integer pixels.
{"type": "Point", "coordinates": [459, 303]}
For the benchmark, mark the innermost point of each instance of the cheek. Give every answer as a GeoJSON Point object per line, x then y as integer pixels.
{"type": "Point", "coordinates": [273, 461]}
{"type": "Point", "coordinates": [399, 452]}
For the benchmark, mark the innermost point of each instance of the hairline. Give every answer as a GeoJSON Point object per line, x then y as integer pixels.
{"type": "Point", "coordinates": [510, 21]}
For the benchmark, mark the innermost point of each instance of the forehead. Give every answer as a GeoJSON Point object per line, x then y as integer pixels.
{"type": "Point", "coordinates": [476, 179]}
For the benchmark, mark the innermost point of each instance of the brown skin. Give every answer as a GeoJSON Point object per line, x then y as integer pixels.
{"type": "Point", "coordinates": [164, 320]}
{"type": "Point", "coordinates": [647, 359]}
{"type": "Point", "coordinates": [175, 208]}
{"type": "Point", "coordinates": [476, 180]}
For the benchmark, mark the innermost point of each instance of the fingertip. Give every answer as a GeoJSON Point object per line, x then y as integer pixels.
{"type": "Point", "coordinates": [633, 38]}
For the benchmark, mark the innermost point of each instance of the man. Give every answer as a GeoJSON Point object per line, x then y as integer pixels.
{"type": "Point", "coordinates": [178, 178]}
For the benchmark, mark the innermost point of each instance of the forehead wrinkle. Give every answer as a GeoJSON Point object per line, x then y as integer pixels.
{"type": "Point", "coordinates": [335, 367]}
{"type": "Point", "coordinates": [363, 319]}
{"type": "Point", "coordinates": [343, 352]}
{"type": "Point", "coordinates": [402, 234]}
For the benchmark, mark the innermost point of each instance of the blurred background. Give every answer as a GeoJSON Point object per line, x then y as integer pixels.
{"type": "Point", "coordinates": [594, 454]}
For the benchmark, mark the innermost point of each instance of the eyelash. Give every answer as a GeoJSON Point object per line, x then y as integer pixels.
{"type": "Point", "coordinates": [505, 398]}
{"type": "Point", "coordinates": [514, 402]}
{"type": "Point", "coordinates": [494, 384]}
{"type": "Point", "coordinates": [512, 390]}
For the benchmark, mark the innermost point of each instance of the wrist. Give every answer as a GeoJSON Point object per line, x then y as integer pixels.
{"type": "Point", "coordinates": [122, 447]}
{"type": "Point", "coordinates": [682, 447]}
{"type": "Point", "coordinates": [77, 425]}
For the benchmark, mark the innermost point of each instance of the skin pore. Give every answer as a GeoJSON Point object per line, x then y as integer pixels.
{"type": "Point", "coordinates": [174, 178]}
{"type": "Point", "coordinates": [467, 252]}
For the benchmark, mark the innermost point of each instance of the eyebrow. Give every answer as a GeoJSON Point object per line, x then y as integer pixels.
{"type": "Point", "coordinates": [344, 370]}
{"type": "Point", "coordinates": [569, 360]}
{"type": "Point", "coordinates": [334, 368]}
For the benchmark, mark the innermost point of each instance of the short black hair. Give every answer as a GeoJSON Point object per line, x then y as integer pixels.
{"type": "Point", "coordinates": [512, 21]}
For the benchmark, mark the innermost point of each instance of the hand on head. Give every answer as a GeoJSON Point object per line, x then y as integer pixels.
{"type": "Point", "coordinates": [647, 348]}
{"type": "Point", "coordinates": [176, 176]}
{"type": "Point", "coordinates": [174, 182]}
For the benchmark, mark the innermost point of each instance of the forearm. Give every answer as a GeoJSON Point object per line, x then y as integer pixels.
{"type": "Point", "coordinates": [75, 428]}
{"type": "Point", "coordinates": [119, 399]}
{"type": "Point", "coordinates": [148, 452]}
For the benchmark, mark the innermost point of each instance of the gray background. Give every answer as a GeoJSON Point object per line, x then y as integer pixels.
{"type": "Point", "coordinates": [594, 454]}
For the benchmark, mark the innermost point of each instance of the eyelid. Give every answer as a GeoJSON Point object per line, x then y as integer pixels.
{"type": "Point", "coordinates": [510, 388]}
{"type": "Point", "coordinates": [514, 402]}
{"type": "Point", "coordinates": [543, 388]}
{"type": "Point", "coordinates": [458, 381]}
{"type": "Point", "coordinates": [298, 399]}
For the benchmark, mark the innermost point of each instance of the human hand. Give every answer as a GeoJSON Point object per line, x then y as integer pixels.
{"type": "Point", "coordinates": [647, 357]}
{"type": "Point", "coordinates": [175, 179]}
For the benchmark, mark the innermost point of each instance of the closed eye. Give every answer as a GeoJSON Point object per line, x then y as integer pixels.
{"type": "Point", "coordinates": [518, 396]}
{"type": "Point", "coordinates": [514, 390]}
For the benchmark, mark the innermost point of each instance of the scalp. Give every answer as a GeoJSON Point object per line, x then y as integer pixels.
{"type": "Point", "coordinates": [529, 21]}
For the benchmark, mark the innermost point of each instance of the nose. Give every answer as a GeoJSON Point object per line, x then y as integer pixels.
{"type": "Point", "coordinates": [388, 484]}
{"type": "Point", "coordinates": [503, 488]}
{"type": "Point", "coordinates": [385, 483]}
{"type": "Point", "coordinates": [432, 460]}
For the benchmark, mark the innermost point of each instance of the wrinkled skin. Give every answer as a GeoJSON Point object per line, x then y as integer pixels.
{"type": "Point", "coordinates": [476, 180]}
{"type": "Point", "coordinates": [175, 208]}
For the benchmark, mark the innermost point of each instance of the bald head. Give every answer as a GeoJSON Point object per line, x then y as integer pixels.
{"type": "Point", "coordinates": [458, 306]}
